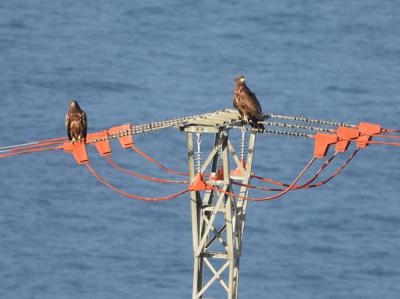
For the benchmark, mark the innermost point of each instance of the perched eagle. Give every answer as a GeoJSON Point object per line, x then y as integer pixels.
{"type": "Point", "coordinates": [246, 103]}
{"type": "Point", "coordinates": [76, 122]}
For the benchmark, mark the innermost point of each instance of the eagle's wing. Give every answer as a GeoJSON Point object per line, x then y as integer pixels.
{"type": "Point", "coordinates": [254, 101]}
{"type": "Point", "coordinates": [251, 107]}
{"type": "Point", "coordinates": [235, 98]}
{"type": "Point", "coordinates": [67, 125]}
{"type": "Point", "coordinates": [236, 103]}
{"type": "Point", "coordinates": [84, 124]}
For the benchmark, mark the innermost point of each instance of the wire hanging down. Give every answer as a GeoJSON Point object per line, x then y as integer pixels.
{"type": "Point", "coordinates": [290, 188]}
{"type": "Point", "coordinates": [308, 184]}
{"type": "Point", "coordinates": [160, 165]}
{"type": "Point", "coordinates": [29, 151]}
{"type": "Point", "coordinates": [144, 177]}
{"type": "Point", "coordinates": [132, 196]}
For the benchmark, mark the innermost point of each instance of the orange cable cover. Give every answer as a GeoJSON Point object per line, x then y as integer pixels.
{"type": "Point", "coordinates": [308, 184]}
{"type": "Point", "coordinates": [12, 154]}
{"type": "Point", "coordinates": [273, 196]}
{"type": "Point", "coordinates": [147, 157]}
{"type": "Point", "coordinates": [144, 177]}
{"type": "Point", "coordinates": [132, 196]}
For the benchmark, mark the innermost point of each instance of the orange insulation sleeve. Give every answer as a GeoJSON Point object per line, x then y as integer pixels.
{"type": "Point", "coordinates": [326, 163]}
{"type": "Point", "coordinates": [147, 157]}
{"type": "Point", "coordinates": [387, 136]}
{"type": "Point", "coordinates": [339, 170]}
{"type": "Point", "coordinates": [390, 131]}
{"type": "Point", "coordinates": [132, 196]}
{"type": "Point", "coordinates": [40, 143]}
{"type": "Point", "coordinates": [383, 143]}
{"type": "Point", "coordinates": [300, 175]}
{"type": "Point", "coordinates": [28, 151]}
{"type": "Point", "coordinates": [270, 181]}
{"type": "Point", "coordinates": [144, 177]}
{"type": "Point", "coordinates": [308, 184]}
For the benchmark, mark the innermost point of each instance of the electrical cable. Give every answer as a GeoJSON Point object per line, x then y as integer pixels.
{"type": "Point", "coordinates": [308, 183]}
{"type": "Point", "coordinates": [147, 157]}
{"type": "Point", "coordinates": [273, 196]}
{"type": "Point", "coordinates": [132, 196]}
{"type": "Point", "coordinates": [144, 177]}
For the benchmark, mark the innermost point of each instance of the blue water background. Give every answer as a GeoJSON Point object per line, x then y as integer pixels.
{"type": "Point", "coordinates": [64, 235]}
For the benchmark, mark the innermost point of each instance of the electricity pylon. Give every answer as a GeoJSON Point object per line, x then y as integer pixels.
{"type": "Point", "coordinates": [218, 219]}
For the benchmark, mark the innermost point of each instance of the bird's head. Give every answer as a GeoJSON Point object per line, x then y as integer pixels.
{"type": "Point", "coordinates": [240, 79]}
{"type": "Point", "coordinates": [73, 104]}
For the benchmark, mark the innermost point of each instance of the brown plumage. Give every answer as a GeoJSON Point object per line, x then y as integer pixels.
{"type": "Point", "coordinates": [76, 122]}
{"type": "Point", "coordinates": [245, 101]}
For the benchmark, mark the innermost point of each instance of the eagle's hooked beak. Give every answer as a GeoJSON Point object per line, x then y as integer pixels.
{"type": "Point", "coordinates": [242, 79]}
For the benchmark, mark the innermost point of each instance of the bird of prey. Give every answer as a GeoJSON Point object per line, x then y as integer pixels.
{"type": "Point", "coordinates": [76, 122]}
{"type": "Point", "coordinates": [245, 101]}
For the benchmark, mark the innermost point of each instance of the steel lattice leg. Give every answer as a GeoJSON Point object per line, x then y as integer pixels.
{"type": "Point", "coordinates": [206, 206]}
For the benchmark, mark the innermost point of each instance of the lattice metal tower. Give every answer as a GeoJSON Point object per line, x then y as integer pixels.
{"type": "Point", "coordinates": [218, 219]}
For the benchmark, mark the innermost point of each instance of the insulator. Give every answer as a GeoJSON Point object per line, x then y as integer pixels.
{"type": "Point", "coordinates": [276, 124]}
{"type": "Point", "coordinates": [310, 120]}
{"type": "Point", "coordinates": [243, 144]}
{"type": "Point", "coordinates": [287, 133]}
{"type": "Point", "coordinates": [198, 154]}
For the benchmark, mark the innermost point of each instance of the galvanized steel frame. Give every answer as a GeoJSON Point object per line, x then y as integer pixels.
{"type": "Point", "coordinates": [206, 205]}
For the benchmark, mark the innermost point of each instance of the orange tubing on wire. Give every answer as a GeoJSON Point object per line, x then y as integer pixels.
{"type": "Point", "coordinates": [391, 143]}
{"type": "Point", "coordinates": [383, 142]}
{"type": "Point", "coordinates": [339, 170]}
{"type": "Point", "coordinates": [147, 157]}
{"type": "Point", "coordinates": [390, 131]}
{"type": "Point", "coordinates": [97, 176]}
{"type": "Point", "coordinates": [144, 177]}
{"type": "Point", "coordinates": [387, 136]}
{"type": "Point", "coordinates": [57, 140]}
{"type": "Point", "coordinates": [258, 187]}
{"type": "Point", "coordinates": [292, 185]}
{"type": "Point", "coordinates": [326, 163]}
{"type": "Point", "coordinates": [40, 143]}
{"type": "Point", "coordinates": [269, 181]}
{"type": "Point", "coordinates": [308, 183]}
{"type": "Point", "coordinates": [12, 154]}
{"type": "Point", "coordinates": [60, 139]}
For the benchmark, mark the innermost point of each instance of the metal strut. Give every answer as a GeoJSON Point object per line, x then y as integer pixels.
{"type": "Point", "coordinates": [218, 219]}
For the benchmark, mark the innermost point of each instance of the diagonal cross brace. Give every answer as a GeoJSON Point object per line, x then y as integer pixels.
{"type": "Point", "coordinates": [216, 275]}
{"type": "Point", "coordinates": [212, 218]}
